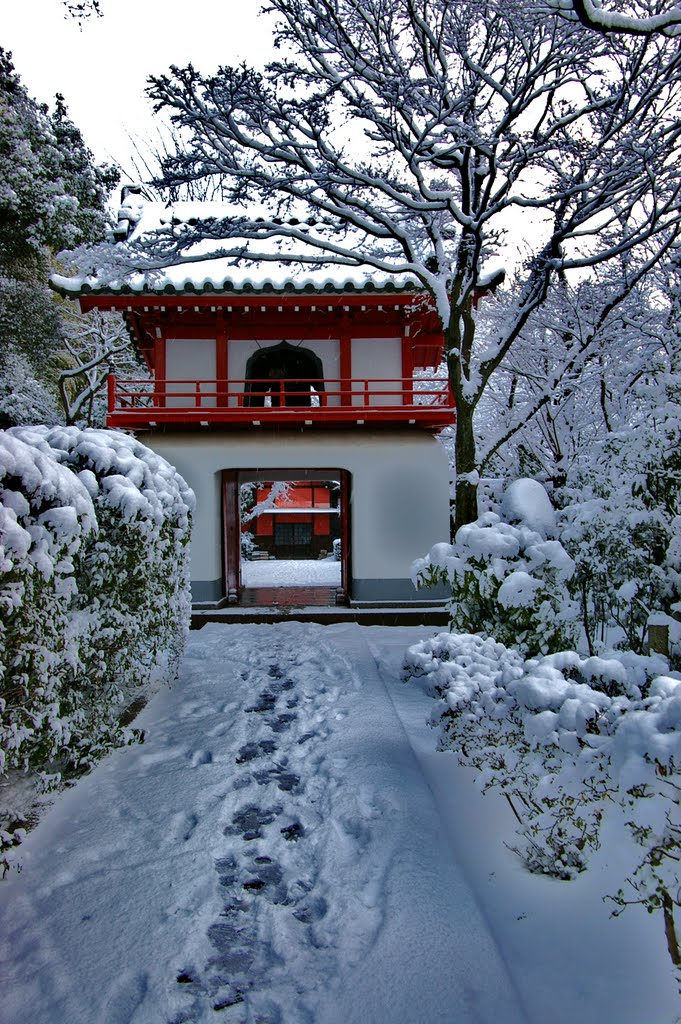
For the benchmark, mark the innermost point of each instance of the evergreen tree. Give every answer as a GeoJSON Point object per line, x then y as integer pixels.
{"type": "Point", "coordinates": [52, 195]}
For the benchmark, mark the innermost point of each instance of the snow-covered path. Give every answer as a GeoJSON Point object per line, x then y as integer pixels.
{"type": "Point", "coordinates": [291, 573]}
{"type": "Point", "coordinates": [287, 847]}
{"type": "Point", "coordinates": [271, 853]}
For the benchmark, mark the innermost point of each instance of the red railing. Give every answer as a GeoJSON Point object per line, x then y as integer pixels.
{"type": "Point", "coordinates": [426, 401]}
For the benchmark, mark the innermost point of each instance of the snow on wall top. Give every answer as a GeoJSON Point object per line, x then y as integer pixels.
{"type": "Point", "coordinates": [241, 269]}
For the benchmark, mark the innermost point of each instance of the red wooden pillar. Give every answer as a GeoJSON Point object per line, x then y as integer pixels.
{"type": "Point", "coordinates": [221, 367]}
{"type": "Point", "coordinates": [407, 385]}
{"type": "Point", "coordinates": [345, 532]}
{"type": "Point", "coordinates": [345, 365]}
{"type": "Point", "coordinates": [111, 392]}
{"type": "Point", "coordinates": [231, 534]}
{"type": "Point", "coordinates": [160, 387]}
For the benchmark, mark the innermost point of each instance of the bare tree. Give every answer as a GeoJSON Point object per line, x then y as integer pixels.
{"type": "Point", "coordinates": [424, 136]}
{"type": "Point", "coordinates": [95, 343]}
{"type": "Point", "coordinates": [572, 375]}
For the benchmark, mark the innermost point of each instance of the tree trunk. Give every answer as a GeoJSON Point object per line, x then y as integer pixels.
{"type": "Point", "coordinates": [459, 337]}
{"type": "Point", "coordinates": [466, 510]}
{"type": "Point", "coordinates": [670, 929]}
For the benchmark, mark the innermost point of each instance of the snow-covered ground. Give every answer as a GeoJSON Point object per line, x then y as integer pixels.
{"type": "Point", "coordinates": [287, 847]}
{"type": "Point", "coordinates": [291, 573]}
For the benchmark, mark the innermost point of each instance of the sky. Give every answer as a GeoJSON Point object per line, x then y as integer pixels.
{"type": "Point", "coordinates": [101, 65]}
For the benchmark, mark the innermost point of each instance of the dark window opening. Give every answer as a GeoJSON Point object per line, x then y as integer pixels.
{"type": "Point", "coordinates": [299, 369]}
{"type": "Point", "coordinates": [293, 534]}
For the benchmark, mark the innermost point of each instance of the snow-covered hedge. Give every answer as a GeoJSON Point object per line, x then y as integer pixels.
{"type": "Point", "coordinates": [564, 738]}
{"type": "Point", "coordinates": [94, 589]}
{"type": "Point", "coordinates": [627, 559]}
{"type": "Point", "coordinates": [509, 580]}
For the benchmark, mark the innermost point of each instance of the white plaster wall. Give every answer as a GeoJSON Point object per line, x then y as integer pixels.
{"type": "Point", "coordinates": [374, 358]}
{"type": "Point", "coordinates": [400, 493]}
{"type": "Point", "coordinates": [190, 359]}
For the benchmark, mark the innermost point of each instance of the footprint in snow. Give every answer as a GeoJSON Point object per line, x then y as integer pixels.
{"type": "Point", "coordinates": [233, 999]}
{"type": "Point", "coordinates": [195, 709]}
{"type": "Point", "coordinates": [282, 722]}
{"type": "Point", "coordinates": [221, 729]}
{"type": "Point", "coordinates": [149, 760]}
{"type": "Point", "coordinates": [292, 833]}
{"type": "Point", "coordinates": [287, 782]}
{"type": "Point", "coordinates": [312, 911]}
{"type": "Point", "coordinates": [250, 821]}
{"type": "Point", "coordinates": [265, 702]}
{"type": "Point", "coordinates": [200, 757]}
{"type": "Point", "coordinates": [234, 945]}
{"type": "Point", "coordinates": [226, 868]}
{"type": "Point", "coordinates": [182, 826]}
{"type": "Point", "coordinates": [266, 874]}
{"type": "Point", "coordinates": [250, 751]}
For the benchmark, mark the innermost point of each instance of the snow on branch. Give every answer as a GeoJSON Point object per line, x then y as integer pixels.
{"type": "Point", "coordinates": [592, 14]}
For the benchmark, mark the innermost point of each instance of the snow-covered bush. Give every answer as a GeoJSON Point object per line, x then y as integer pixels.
{"type": "Point", "coordinates": [620, 579]}
{"type": "Point", "coordinates": [337, 549]}
{"type": "Point", "coordinates": [621, 520]}
{"type": "Point", "coordinates": [564, 738]}
{"type": "Point", "coordinates": [515, 722]}
{"type": "Point", "coordinates": [509, 581]}
{"type": "Point", "coordinates": [136, 579]}
{"type": "Point", "coordinates": [94, 589]}
{"type": "Point", "coordinates": [46, 519]}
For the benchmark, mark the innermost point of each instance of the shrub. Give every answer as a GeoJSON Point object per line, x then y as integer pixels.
{"type": "Point", "coordinates": [564, 738]}
{"type": "Point", "coordinates": [46, 519]}
{"type": "Point", "coordinates": [508, 583]}
{"type": "Point", "coordinates": [625, 557]}
{"type": "Point", "coordinates": [94, 588]}
{"type": "Point", "coordinates": [136, 574]}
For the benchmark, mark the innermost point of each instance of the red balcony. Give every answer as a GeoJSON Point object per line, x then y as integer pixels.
{"type": "Point", "coordinates": [425, 402]}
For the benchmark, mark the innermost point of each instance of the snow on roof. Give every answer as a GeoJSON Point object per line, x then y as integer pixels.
{"type": "Point", "coordinates": [239, 270]}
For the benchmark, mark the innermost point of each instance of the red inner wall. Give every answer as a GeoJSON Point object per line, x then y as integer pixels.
{"type": "Point", "coordinates": [302, 496]}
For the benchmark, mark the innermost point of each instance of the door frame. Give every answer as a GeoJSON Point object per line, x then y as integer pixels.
{"type": "Point", "coordinates": [345, 534]}
{"type": "Point", "coordinates": [231, 535]}
{"type": "Point", "coordinates": [231, 482]}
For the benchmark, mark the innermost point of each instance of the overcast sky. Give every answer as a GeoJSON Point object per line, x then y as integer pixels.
{"type": "Point", "coordinates": [101, 67]}
{"type": "Point", "coordinates": [101, 64]}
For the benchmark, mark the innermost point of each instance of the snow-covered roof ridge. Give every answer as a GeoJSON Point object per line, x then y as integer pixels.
{"type": "Point", "coordinates": [232, 251]}
{"type": "Point", "coordinates": [146, 284]}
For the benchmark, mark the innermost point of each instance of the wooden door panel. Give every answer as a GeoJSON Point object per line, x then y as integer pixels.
{"type": "Point", "coordinates": [231, 540]}
{"type": "Point", "coordinates": [345, 532]}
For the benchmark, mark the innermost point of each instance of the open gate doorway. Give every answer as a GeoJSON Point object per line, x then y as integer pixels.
{"type": "Point", "coordinates": [277, 574]}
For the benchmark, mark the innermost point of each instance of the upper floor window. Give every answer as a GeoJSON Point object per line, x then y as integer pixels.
{"type": "Point", "coordinates": [283, 371]}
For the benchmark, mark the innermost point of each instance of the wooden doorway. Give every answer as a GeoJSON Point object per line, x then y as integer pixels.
{"type": "Point", "coordinates": [235, 591]}
{"type": "Point", "coordinates": [231, 535]}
